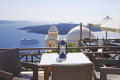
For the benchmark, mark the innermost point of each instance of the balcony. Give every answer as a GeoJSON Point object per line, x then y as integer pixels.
{"type": "Point", "coordinates": [33, 55]}
{"type": "Point", "coordinates": [101, 56]}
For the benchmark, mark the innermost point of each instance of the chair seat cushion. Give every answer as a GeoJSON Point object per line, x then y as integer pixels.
{"type": "Point", "coordinates": [109, 76]}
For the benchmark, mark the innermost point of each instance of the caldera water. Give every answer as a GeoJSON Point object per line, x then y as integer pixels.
{"type": "Point", "coordinates": [10, 36]}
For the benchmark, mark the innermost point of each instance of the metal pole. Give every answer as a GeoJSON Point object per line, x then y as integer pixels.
{"type": "Point", "coordinates": [81, 31]}
{"type": "Point", "coordinates": [89, 33]}
{"type": "Point", "coordinates": [80, 34]}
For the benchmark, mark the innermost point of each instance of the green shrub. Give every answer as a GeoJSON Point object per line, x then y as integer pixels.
{"type": "Point", "coordinates": [68, 45]}
{"type": "Point", "coordinates": [71, 45]}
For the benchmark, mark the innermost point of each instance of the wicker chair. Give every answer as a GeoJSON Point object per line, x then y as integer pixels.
{"type": "Point", "coordinates": [10, 66]}
{"type": "Point", "coordinates": [72, 72]}
{"type": "Point", "coordinates": [105, 68]}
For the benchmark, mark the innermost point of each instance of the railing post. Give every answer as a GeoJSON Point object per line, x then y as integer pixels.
{"type": "Point", "coordinates": [115, 50]}
{"type": "Point", "coordinates": [38, 51]}
{"type": "Point", "coordinates": [97, 41]}
{"type": "Point", "coordinates": [26, 58]}
{"type": "Point", "coordinates": [32, 58]}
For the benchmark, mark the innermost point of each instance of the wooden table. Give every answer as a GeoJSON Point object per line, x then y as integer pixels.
{"type": "Point", "coordinates": [53, 58]}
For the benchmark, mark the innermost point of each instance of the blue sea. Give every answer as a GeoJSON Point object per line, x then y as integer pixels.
{"type": "Point", "coordinates": [10, 36]}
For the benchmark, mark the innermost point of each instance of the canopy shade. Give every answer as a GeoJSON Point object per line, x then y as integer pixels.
{"type": "Point", "coordinates": [111, 26]}
{"type": "Point", "coordinates": [102, 21]}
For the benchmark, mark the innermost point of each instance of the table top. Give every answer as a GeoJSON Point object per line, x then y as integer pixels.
{"type": "Point", "coordinates": [72, 58]}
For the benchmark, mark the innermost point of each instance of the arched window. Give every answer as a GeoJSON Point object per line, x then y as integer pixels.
{"type": "Point", "coordinates": [49, 45]}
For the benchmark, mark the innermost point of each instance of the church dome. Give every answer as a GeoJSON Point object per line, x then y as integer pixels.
{"type": "Point", "coordinates": [74, 34]}
{"type": "Point", "coordinates": [53, 29]}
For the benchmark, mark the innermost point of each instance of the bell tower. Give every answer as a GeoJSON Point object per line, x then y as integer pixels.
{"type": "Point", "coordinates": [52, 39]}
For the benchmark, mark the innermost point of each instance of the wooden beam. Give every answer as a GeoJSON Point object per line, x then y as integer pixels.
{"type": "Point", "coordinates": [81, 31]}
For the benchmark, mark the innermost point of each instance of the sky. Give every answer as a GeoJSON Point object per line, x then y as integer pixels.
{"type": "Point", "coordinates": [75, 11]}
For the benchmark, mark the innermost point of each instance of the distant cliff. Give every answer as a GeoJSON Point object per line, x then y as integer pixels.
{"type": "Point", "coordinates": [63, 28]}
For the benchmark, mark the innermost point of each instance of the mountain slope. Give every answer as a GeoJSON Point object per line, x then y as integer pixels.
{"type": "Point", "coordinates": [63, 28]}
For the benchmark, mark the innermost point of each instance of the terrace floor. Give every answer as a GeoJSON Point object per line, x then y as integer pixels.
{"type": "Point", "coordinates": [40, 74]}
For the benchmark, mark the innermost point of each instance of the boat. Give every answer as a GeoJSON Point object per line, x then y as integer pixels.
{"type": "Point", "coordinates": [29, 41]}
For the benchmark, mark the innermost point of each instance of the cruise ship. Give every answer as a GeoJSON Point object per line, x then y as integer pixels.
{"type": "Point", "coordinates": [28, 41]}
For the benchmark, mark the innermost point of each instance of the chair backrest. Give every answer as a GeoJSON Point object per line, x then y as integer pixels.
{"type": "Point", "coordinates": [72, 72]}
{"type": "Point", "coordinates": [9, 61]}
{"type": "Point", "coordinates": [100, 62]}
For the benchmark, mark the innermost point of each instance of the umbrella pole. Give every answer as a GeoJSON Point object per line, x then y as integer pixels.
{"type": "Point", "coordinates": [106, 35]}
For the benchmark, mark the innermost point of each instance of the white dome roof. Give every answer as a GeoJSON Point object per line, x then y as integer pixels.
{"type": "Point", "coordinates": [53, 29]}
{"type": "Point", "coordinates": [74, 34]}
